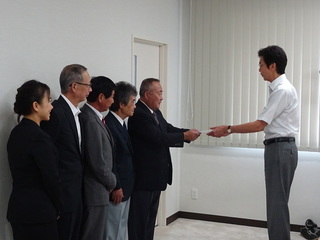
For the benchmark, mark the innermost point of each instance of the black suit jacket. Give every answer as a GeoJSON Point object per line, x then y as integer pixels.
{"type": "Point", "coordinates": [151, 142]}
{"type": "Point", "coordinates": [36, 193]}
{"type": "Point", "coordinates": [123, 156]}
{"type": "Point", "coordinates": [62, 128]}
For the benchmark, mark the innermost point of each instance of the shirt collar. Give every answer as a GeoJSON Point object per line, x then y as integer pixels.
{"type": "Point", "coordinates": [96, 111]}
{"type": "Point", "coordinates": [146, 106]}
{"type": "Point", "coordinates": [278, 81]}
{"type": "Point", "coordinates": [75, 110]}
{"type": "Point", "coordinates": [121, 121]}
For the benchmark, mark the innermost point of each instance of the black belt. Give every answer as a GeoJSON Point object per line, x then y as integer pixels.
{"type": "Point", "coordinates": [279, 139]}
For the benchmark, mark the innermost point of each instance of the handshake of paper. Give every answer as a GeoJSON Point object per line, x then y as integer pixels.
{"type": "Point", "coordinates": [218, 131]}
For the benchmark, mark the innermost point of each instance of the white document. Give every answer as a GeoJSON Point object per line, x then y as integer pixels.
{"type": "Point", "coordinates": [205, 131]}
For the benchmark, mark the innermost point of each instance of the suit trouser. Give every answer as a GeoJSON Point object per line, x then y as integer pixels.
{"type": "Point", "coordinates": [93, 223]}
{"type": "Point", "coordinates": [281, 160]}
{"type": "Point", "coordinates": [142, 214]}
{"type": "Point", "coordinates": [117, 220]}
{"type": "Point", "coordinates": [69, 223]}
{"type": "Point", "coordinates": [48, 231]}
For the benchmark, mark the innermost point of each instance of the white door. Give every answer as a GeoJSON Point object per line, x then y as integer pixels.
{"type": "Point", "coordinates": [149, 61]}
{"type": "Point", "coordinates": [147, 58]}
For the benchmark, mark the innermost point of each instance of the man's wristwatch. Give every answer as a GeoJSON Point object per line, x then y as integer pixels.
{"type": "Point", "coordinates": [229, 129]}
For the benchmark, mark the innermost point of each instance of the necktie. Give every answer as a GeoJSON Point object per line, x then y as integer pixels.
{"type": "Point", "coordinates": [155, 118]}
{"type": "Point", "coordinates": [104, 122]}
{"type": "Point", "coordinates": [124, 126]}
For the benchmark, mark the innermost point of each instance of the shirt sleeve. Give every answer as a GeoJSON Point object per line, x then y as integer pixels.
{"type": "Point", "coordinates": [277, 102]}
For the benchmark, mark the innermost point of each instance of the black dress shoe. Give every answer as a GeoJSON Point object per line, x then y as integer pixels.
{"type": "Point", "coordinates": [317, 231]}
{"type": "Point", "coordinates": [310, 224]}
{"type": "Point", "coordinates": [308, 233]}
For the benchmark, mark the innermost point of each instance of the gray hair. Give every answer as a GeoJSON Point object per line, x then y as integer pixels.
{"type": "Point", "coordinates": [146, 85]}
{"type": "Point", "coordinates": [122, 94]}
{"type": "Point", "coordinates": [71, 73]}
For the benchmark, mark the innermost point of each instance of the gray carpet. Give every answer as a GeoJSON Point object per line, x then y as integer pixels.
{"type": "Point", "coordinates": [185, 229]}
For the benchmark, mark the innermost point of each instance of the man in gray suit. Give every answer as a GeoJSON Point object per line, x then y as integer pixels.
{"type": "Point", "coordinates": [98, 158]}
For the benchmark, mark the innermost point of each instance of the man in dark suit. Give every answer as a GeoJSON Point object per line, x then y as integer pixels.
{"type": "Point", "coordinates": [98, 159]}
{"type": "Point", "coordinates": [118, 208]}
{"type": "Point", "coordinates": [151, 138]}
{"type": "Point", "coordinates": [64, 129]}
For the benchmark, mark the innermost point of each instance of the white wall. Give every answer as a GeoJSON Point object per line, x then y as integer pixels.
{"type": "Point", "coordinates": [38, 38]}
{"type": "Point", "coordinates": [230, 182]}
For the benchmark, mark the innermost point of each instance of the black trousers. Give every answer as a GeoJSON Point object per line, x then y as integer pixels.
{"type": "Point", "coordinates": [69, 224]}
{"type": "Point", "coordinates": [142, 214]}
{"type": "Point", "coordinates": [48, 231]}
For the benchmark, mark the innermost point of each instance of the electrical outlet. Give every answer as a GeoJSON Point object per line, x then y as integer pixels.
{"type": "Point", "coordinates": [194, 193]}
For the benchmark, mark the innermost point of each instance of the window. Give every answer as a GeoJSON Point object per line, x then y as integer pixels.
{"type": "Point", "coordinates": [226, 85]}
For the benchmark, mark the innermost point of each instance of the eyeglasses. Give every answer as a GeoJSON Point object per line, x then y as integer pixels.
{"type": "Point", "coordinates": [84, 84]}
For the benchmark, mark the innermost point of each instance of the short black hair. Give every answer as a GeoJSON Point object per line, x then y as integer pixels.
{"type": "Point", "coordinates": [274, 54]}
{"type": "Point", "coordinates": [99, 85]}
{"type": "Point", "coordinates": [122, 94]}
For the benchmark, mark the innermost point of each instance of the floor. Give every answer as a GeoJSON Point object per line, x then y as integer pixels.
{"type": "Point", "coordinates": [186, 229]}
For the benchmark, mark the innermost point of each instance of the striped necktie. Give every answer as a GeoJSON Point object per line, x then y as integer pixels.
{"type": "Point", "coordinates": [155, 118]}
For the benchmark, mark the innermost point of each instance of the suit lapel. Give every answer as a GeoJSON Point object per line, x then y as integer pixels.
{"type": "Point", "coordinates": [160, 120]}
{"type": "Point", "coordinates": [109, 136]}
{"type": "Point", "coordinates": [88, 110]}
{"type": "Point", "coordinates": [120, 129]}
{"type": "Point", "coordinates": [70, 117]}
{"type": "Point", "coordinates": [147, 110]}
{"type": "Point", "coordinates": [124, 132]}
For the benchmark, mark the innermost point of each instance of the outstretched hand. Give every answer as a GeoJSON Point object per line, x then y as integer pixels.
{"type": "Point", "coordinates": [191, 134]}
{"type": "Point", "coordinates": [219, 131]}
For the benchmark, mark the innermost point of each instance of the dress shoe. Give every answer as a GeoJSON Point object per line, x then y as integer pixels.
{"type": "Point", "coordinates": [310, 224]}
{"type": "Point", "coordinates": [308, 233]}
{"type": "Point", "coordinates": [317, 231]}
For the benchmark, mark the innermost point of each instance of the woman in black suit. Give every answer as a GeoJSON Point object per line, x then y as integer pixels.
{"type": "Point", "coordinates": [34, 203]}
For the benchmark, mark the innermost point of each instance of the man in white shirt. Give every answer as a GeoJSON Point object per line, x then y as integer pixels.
{"type": "Point", "coordinates": [280, 122]}
{"type": "Point", "coordinates": [64, 129]}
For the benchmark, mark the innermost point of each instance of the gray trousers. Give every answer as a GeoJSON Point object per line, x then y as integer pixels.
{"type": "Point", "coordinates": [281, 160]}
{"type": "Point", "coordinates": [93, 223]}
{"type": "Point", "coordinates": [117, 220]}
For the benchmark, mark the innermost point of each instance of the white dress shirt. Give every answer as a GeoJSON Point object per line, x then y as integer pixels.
{"type": "Point", "coordinates": [121, 121]}
{"type": "Point", "coordinates": [282, 110]}
{"type": "Point", "coordinates": [75, 112]}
